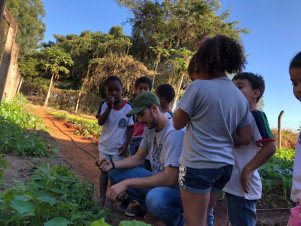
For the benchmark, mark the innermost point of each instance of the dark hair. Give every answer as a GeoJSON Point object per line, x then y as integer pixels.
{"type": "Point", "coordinates": [112, 78]}
{"type": "Point", "coordinates": [256, 81]}
{"type": "Point", "coordinates": [296, 61]}
{"type": "Point", "coordinates": [218, 54]}
{"type": "Point", "coordinates": [104, 84]}
{"type": "Point", "coordinates": [144, 79]}
{"type": "Point", "coordinates": [166, 91]}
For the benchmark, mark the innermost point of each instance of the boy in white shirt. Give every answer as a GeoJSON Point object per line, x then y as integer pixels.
{"type": "Point", "coordinates": [244, 187]}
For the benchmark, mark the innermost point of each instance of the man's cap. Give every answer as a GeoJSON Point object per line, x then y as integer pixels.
{"type": "Point", "coordinates": [142, 101]}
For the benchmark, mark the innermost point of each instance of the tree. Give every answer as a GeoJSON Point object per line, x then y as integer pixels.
{"type": "Point", "coordinates": [29, 15]}
{"type": "Point", "coordinates": [126, 67]}
{"type": "Point", "coordinates": [56, 62]}
{"type": "Point", "coordinates": [166, 33]}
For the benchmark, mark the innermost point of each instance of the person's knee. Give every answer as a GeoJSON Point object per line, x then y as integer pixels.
{"type": "Point", "coordinates": [114, 176]}
{"type": "Point", "coordinates": [155, 201]}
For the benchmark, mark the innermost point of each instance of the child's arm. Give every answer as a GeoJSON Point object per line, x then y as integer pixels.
{"type": "Point", "coordinates": [123, 148]}
{"type": "Point", "coordinates": [102, 118]}
{"type": "Point", "coordinates": [180, 119]}
{"type": "Point", "coordinates": [268, 149]}
{"type": "Point", "coordinates": [242, 136]}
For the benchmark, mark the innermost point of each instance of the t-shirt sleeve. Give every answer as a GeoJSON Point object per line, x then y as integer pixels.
{"type": "Point", "coordinates": [173, 148]}
{"type": "Point", "coordinates": [262, 124]}
{"type": "Point", "coordinates": [188, 101]}
{"type": "Point", "coordinates": [102, 108]}
{"type": "Point", "coordinates": [246, 119]}
{"type": "Point", "coordinates": [130, 120]}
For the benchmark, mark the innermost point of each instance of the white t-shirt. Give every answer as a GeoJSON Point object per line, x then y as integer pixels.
{"type": "Point", "coordinates": [164, 147]}
{"type": "Point", "coordinates": [216, 108]}
{"type": "Point", "coordinates": [296, 187]}
{"type": "Point", "coordinates": [245, 153]}
{"type": "Point", "coordinates": [114, 130]}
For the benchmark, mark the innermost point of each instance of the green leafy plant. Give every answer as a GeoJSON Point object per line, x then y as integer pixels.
{"type": "Point", "coordinates": [277, 177]}
{"type": "Point", "coordinates": [20, 131]}
{"type": "Point", "coordinates": [54, 196]}
{"type": "Point", "coordinates": [87, 127]}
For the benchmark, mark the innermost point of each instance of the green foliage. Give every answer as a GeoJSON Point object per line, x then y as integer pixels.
{"type": "Point", "coordinates": [102, 222]}
{"type": "Point", "coordinates": [29, 16]}
{"type": "Point", "coordinates": [87, 127]}
{"type": "Point", "coordinates": [277, 177]}
{"type": "Point", "coordinates": [176, 24]}
{"type": "Point", "coordinates": [13, 112]}
{"type": "Point", "coordinates": [19, 133]}
{"type": "Point", "coordinates": [55, 61]}
{"type": "Point", "coordinates": [3, 165]}
{"type": "Point", "coordinates": [54, 196]}
{"type": "Point", "coordinates": [133, 223]}
{"type": "Point", "coordinates": [126, 67]}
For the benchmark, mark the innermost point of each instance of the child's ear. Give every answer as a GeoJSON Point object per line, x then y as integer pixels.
{"type": "Point", "coordinates": [256, 93]}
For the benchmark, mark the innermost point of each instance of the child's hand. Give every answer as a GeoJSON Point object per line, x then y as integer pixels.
{"type": "Point", "coordinates": [122, 150]}
{"type": "Point", "coordinates": [104, 165]}
{"type": "Point", "coordinates": [244, 179]}
{"type": "Point", "coordinates": [110, 101]}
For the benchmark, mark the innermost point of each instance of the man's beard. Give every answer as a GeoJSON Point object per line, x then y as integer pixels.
{"type": "Point", "coordinates": [153, 123]}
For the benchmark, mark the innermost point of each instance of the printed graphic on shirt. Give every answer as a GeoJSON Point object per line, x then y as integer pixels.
{"type": "Point", "coordinates": [155, 155]}
{"type": "Point", "coordinates": [122, 123]}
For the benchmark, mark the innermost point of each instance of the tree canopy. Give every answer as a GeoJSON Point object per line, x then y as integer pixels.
{"type": "Point", "coordinates": [29, 15]}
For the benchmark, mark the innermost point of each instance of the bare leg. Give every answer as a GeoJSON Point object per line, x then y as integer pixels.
{"type": "Point", "coordinates": [213, 197]}
{"type": "Point", "coordinates": [195, 208]}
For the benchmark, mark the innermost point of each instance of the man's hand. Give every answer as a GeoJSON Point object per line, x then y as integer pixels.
{"type": "Point", "coordinates": [244, 179]}
{"type": "Point", "coordinates": [104, 165]}
{"type": "Point", "coordinates": [115, 190]}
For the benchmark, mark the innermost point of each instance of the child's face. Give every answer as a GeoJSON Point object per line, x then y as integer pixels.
{"type": "Point", "coordinates": [295, 74]}
{"type": "Point", "coordinates": [142, 88]}
{"type": "Point", "coordinates": [114, 89]}
{"type": "Point", "coordinates": [247, 90]}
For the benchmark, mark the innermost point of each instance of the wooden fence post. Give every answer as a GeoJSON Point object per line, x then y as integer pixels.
{"type": "Point", "coordinates": [279, 129]}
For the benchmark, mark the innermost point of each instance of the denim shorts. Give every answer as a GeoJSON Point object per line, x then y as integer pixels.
{"type": "Point", "coordinates": [203, 181]}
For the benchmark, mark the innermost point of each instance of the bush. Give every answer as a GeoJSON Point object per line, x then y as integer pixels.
{"type": "Point", "coordinates": [53, 195]}
{"type": "Point", "coordinates": [277, 178]}
{"type": "Point", "coordinates": [20, 131]}
{"type": "Point", "coordinates": [289, 138]}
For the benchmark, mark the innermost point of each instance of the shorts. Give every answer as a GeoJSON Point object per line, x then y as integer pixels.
{"type": "Point", "coordinates": [110, 158]}
{"type": "Point", "coordinates": [203, 181]}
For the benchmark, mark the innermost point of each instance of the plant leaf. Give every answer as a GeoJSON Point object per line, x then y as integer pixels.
{"type": "Point", "coordinates": [22, 206]}
{"type": "Point", "coordinates": [58, 221]}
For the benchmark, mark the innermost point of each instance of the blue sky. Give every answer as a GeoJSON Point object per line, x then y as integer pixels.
{"type": "Point", "coordinates": [274, 38]}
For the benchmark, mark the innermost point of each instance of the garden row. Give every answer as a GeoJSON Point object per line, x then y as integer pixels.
{"type": "Point", "coordinates": [53, 195]}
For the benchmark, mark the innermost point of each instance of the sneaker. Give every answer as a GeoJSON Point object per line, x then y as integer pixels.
{"type": "Point", "coordinates": [135, 210]}
{"type": "Point", "coordinates": [124, 204]}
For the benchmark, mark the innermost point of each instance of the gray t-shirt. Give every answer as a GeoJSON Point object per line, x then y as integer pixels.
{"type": "Point", "coordinates": [216, 108]}
{"type": "Point", "coordinates": [164, 147]}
